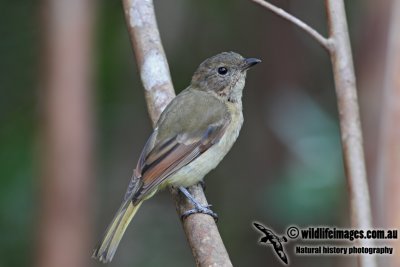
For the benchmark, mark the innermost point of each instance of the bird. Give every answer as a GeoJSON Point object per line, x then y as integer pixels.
{"type": "Point", "coordinates": [192, 135]}
{"type": "Point", "coordinates": [274, 240]}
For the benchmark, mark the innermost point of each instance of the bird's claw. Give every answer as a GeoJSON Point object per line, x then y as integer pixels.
{"type": "Point", "coordinates": [200, 209]}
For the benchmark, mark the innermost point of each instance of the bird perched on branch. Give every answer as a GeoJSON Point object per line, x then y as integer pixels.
{"type": "Point", "coordinates": [193, 134]}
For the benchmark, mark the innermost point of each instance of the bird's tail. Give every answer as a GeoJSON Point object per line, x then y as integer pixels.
{"type": "Point", "coordinates": [105, 251]}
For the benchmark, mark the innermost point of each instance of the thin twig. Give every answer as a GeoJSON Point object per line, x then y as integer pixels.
{"type": "Point", "coordinates": [351, 133]}
{"type": "Point", "coordinates": [324, 42]}
{"type": "Point", "coordinates": [201, 230]}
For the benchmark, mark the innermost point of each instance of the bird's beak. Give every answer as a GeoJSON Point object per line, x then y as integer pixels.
{"type": "Point", "coordinates": [250, 62]}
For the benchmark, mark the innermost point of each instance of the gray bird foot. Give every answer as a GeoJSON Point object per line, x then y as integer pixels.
{"type": "Point", "coordinates": [198, 208]}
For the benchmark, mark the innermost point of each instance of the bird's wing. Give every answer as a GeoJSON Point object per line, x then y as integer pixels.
{"type": "Point", "coordinates": [135, 182]}
{"type": "Point", "coordinates": [168, 158]}
{"type": "Point", "coordinates": [195, 129]}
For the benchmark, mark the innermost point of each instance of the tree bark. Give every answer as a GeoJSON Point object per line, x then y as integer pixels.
{"type": "Point", "coordinates": [350, 126]}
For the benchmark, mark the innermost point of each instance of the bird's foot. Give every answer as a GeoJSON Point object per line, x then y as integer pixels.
{"type": "Point", "coordinates": [198, 208]}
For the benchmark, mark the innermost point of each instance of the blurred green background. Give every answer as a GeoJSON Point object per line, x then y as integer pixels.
{"type": "Point", "coordinates": [285, 169]}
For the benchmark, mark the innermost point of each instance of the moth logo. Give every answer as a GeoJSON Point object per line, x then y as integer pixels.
{"type": "Point", "coordinates": [270, 238]}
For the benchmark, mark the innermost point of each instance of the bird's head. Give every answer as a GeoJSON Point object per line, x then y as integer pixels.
{"type": "Point", "coordinates": [223, 74]}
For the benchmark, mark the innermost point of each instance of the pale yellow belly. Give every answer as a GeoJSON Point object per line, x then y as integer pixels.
{"type": "Point", "coordinates": [196, 170]}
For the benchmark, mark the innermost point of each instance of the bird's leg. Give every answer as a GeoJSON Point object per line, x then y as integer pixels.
{"type": "Point", "coordinates": [198, 208]}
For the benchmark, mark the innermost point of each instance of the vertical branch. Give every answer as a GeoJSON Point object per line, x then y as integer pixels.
{"type": "Point", "coordinates": [66, 134]}
{"type": "Point", "coordinates": [388, 156]}
{"type": "Point", "coordinates": [338, 46]}
{"type": "Point", "coordinates": [201, 230]}
{"type": "Point", "coordinates": [351, 134]}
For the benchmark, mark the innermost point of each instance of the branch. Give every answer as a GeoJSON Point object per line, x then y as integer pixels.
{"type": "Point", "coordinates": [349, 115]}
{"type": "Point", "coordinates": [324, 42]}
{"type": "Point", "coordinates": [338, 45]}
{"type": "Point", "coordinates": [201, 230]}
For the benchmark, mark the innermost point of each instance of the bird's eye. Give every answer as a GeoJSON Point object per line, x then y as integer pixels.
{"type": "Point", "coordinates": [222, 70]}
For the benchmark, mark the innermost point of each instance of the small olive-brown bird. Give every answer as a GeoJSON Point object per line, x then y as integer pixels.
{"type": "Point", "coordinates": [193, 134]}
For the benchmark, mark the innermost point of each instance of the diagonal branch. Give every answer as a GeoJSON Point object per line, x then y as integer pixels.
{"type": "Point", "coordinates": [324, 42]}
{"type": "Point", "coordinates": [201, 230]}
